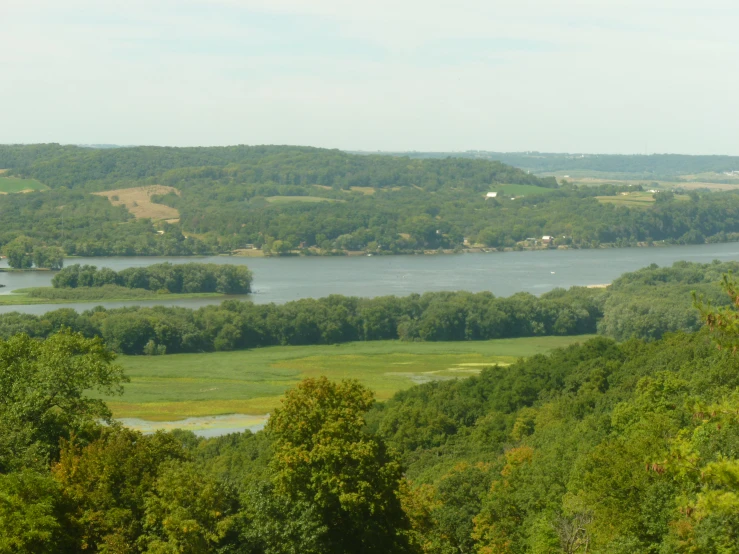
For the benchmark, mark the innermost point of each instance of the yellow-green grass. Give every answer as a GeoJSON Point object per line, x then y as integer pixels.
{"type": "Point", "coordinates": [172, 387]}
{"type": "Point", "coordinates": [16, 184]}
{"type": "Point", "coordinates": [688, 184]}
{"type": "Point", "coordinates": [364, 190]}
{"type": "Point", "coordinates": [635, 199]}
{"type": "Point", "coordinates": [21, 297]}
{"type": "Point", "coordinates": [306, 199]}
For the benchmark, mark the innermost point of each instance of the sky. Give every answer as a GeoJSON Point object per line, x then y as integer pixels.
{"type": "Point", "coordinates": [599, 76]}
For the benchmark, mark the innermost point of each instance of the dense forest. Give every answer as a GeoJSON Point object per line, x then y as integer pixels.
{"type": "Point", "coordinates": [654, 166]}
{"type": "Point", "coordinates": [644, 304]}
{"type": "Point", "coordinates": [602, 447]}
{"type": "Point", "coordinates": [315, 201]}
{"type": "Point", "coordinates": [173, 278]}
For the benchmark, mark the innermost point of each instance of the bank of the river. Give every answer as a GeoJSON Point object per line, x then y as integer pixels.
{"type": "Point", "coordinates": [208, 426]}
{"type": "Point", "coordinates": [282, 279]}
{"type": "Point", "coordinates": [50, 295]}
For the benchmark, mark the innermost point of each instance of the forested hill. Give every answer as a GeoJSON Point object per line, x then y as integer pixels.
{"type": "Point", "coordinates": [655, 166]}
{"type": "Point", "coordinates": [93, 168]}
{"type": "Point", "coordinates": [291, 199]}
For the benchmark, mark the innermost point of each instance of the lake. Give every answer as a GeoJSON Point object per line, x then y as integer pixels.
{"type": "Point", "coordinates": [503, 273]}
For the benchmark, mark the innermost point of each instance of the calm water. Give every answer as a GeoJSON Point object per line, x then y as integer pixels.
{"type": "Point", "coordinates": [284, 279]}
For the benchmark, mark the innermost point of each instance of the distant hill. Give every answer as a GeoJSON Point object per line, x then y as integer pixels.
{"type": "Point", "coordinates": [654, 166]}
{"type": "Point", "coordinates": [149, 200]}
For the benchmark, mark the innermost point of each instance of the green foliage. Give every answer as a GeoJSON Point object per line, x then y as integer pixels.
{"type": "Point", "coordinates": [42, 386]}
{"type": "Point", "coordinates": [234, 196]}
{"type": "Point", "coordinates": [331, 320]}
{"type": "Point", "coordinates": [29, 514]}
{"type": "Point", "coordinates": [323, 456]}
{"type": "Point", "coordinates": [188, 511]}
{"type": "Point", "coordinates": [106, 485]}
{"type": "Point", "coordinates": [173, 278]}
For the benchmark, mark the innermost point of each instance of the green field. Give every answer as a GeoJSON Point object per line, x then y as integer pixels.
{"type": "Point", "coordinates": [171, 387]}
{"type": "Point", "coordinates": [14, 184]}
{"type": "Point", "coordinates": [306, 199]}
{"type": "Point", "coordinates": [520, 190]}
{"type": "Point", "coordinates": [635, 199]}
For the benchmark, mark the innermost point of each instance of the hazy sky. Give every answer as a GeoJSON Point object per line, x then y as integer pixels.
{"type": "Point", "coordinates": [620, 76]}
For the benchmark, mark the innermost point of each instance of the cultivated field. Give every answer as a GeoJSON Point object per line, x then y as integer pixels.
{"type": "Point", "coordinates": [137, 201]}
{"type": "Point", "coordinates": [15, 184]}
{"type": "Point", "coordinates": [651, 184]}
{"type": "Point", "coordinates": [172, 387]}
{"type": "Point", "coordinates": [635, 199]}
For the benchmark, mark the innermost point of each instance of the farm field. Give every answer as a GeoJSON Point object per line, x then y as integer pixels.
{"type": "Point", "coordinates": [172, 387]}
{"type": "Point", "coordinates": [137, 201]}
{"type": "Point", "coordinates": [9, 185]}
{"type": "Point", "coordinates": [635, 199]}
{"type": "Point", "coordinates": [650, 183]}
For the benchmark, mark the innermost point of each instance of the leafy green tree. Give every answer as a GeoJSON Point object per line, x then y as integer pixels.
{"type": "Point", "coordinates": [189, 512]}
{"type": "Point", "coordinates": [323, 456]}
{"type": "Point", "coordinates": [20, 253]}
{"type": "Point", "coordinates": [105, 484]}
{"type": "Point", "coordinates": [42, 393]}
{"type": "Point", "coordinates": [30, 512]}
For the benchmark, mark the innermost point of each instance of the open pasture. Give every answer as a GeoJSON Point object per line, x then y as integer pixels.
{"type": "Point", "coordinates": [137, 201]}
{"type": "Point", "coordinates": [171, 387]}
{"type": "Point", "coordinates": [9, 185]}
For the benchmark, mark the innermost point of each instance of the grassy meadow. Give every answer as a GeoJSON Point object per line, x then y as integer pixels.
{"type": "Point", "coordinates": [11, 185]}
{"type": "Point", "coordinates": [171, 387]}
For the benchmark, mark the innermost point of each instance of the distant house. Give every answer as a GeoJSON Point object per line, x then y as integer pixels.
{"type": "Point", "coordinates": [491, 195]}
{"type": "Point", "coordinates": [546, 239]}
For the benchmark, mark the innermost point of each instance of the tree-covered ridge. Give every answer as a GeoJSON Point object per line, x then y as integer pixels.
{"type": "Point", "coordinates": [317, 201]}
{"type": "Point", "coordinates": [173, 278]}
{"type": "Point", "coordinates": [72, 166]}
{"type": "Point", "coordinates": [655, 166]}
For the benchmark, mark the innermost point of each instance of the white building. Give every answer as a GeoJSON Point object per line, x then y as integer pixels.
{"type": "Point", "coordinates": [491, 195]}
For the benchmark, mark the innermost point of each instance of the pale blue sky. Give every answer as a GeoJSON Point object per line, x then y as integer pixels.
{"type": "Point", "coordinates": [616, 76]}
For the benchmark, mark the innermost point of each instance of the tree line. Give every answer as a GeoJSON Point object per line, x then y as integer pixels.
{"type": "Point", "coordinates": [25, 253]}
{"type": "Point", "coordinates": [334, 319]}
{"type": "Point", "coordinates": [173, 278]}
{"type": "Point", "coordinates": [646, 304]}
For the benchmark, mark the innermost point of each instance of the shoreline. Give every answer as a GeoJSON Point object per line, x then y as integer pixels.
{"type": "Point", "coordinates": [18, 298]}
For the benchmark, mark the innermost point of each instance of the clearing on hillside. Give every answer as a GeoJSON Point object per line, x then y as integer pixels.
{"type": "Point", "coordinates": [137, 201]}
{"type": "Point", "coordinates": [16, 184]}
{"type": "Point", "coordinates": [305, 199]}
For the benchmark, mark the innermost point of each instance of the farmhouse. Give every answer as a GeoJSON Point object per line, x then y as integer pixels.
{"type": "Point", "coordinates": [491, 195]}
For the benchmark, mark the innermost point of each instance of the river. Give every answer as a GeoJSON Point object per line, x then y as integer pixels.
{"type": "Point", "coordinates": [503, 273]}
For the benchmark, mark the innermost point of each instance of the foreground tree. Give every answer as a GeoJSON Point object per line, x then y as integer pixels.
{"type": "Point", "coordinates": [325, 459]}
{"type": "Point", "coordinates": [42, 394]}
